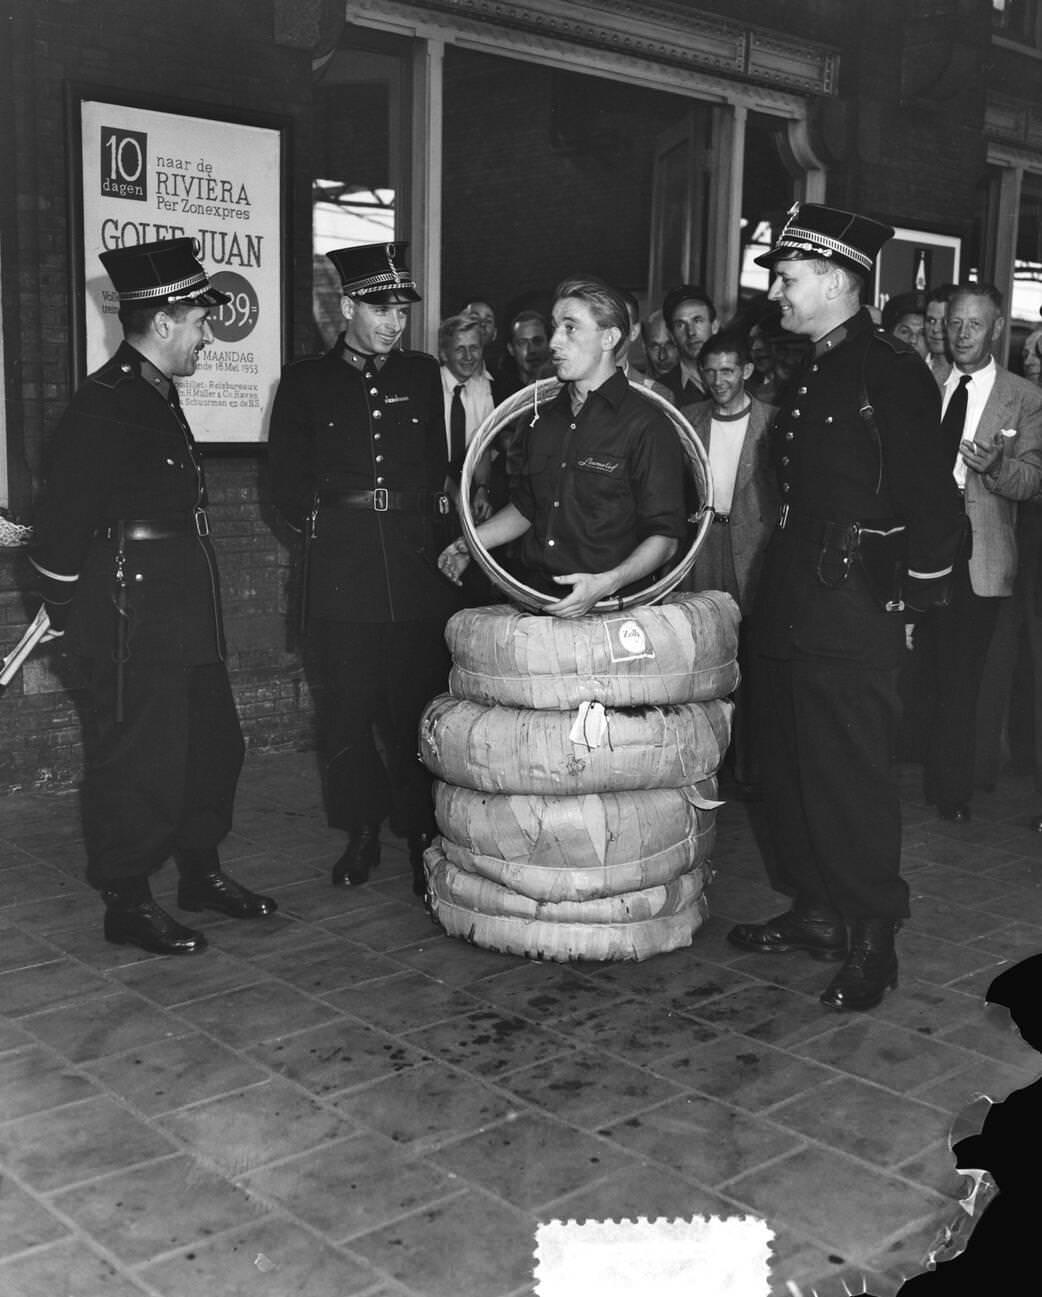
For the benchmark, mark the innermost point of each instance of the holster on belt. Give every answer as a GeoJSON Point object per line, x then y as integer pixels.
{"type": "Point", "coordinates": [310, 532]}
{"type": "Point", "coordinates": [122, 651]}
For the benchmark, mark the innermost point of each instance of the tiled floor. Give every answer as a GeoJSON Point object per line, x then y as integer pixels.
{"type": "Point", "coordinates": [340, 1100]}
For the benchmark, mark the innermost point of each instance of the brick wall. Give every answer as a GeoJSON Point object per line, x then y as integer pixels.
{"type": "Point", "coordinates": [219, 53]}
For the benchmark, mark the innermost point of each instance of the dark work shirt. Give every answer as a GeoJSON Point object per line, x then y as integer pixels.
{"type": "Point", "coordinates": [597, 483]}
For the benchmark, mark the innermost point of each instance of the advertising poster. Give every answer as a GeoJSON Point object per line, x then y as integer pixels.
{"type": "Point", "coordinates": [150, 175]}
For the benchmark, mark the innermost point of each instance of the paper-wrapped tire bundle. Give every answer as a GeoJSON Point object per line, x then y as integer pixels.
{"type": "Point", "coordinates": [576, 848]}
{"type": "Point", "coordinates": [682, 650]}
{"type": "Point", "coordinates": [680, 913]}
{"type": "Point", "coordinates": [516, 750]}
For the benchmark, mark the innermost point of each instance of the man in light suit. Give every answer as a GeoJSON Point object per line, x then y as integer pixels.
{"type": "Point", "coordinates": [992, 424]}
{"type": "Point", "coordinates": [733, 428]}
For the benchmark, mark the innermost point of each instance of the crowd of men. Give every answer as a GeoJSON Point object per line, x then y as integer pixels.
{"type": "Point", "coordinates": [873, 488]}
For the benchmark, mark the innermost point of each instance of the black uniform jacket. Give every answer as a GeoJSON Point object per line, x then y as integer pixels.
{"type": "Point", "coordinates": [122, 451]}
{"type": "Point", "coordinates": [331, 431]}
{"type": "Point", "coordinates": [831, 467]}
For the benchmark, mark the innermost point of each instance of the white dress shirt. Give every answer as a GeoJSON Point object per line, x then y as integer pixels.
{"type": "Point", "coordinates": [978, 389]}
{"type": "Point", "coordinates": [477, 402]}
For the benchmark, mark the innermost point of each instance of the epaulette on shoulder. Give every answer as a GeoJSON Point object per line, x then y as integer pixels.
{"type": "Point", "coordinates": [114, 373]}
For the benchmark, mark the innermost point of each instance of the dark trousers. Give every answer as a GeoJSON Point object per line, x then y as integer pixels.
{"type": "Point", "coordinates": [377, 678]}
{"type": "Point", "coordinates": [955, 640]}
{"type": "Point", "coordinates": [833, 811]}
{"type": "Point", "coordinates": [164, 778]}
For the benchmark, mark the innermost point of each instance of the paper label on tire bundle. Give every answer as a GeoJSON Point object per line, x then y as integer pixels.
{"type": "Point", "coordinates": [627, 639]}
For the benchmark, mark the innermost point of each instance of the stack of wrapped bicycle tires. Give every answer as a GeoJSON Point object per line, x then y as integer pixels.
{"type": "Point", "coordinates": [575, 767]}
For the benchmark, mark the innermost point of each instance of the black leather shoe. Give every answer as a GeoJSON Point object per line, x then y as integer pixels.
{"type": "Point", "coordinates": [149, 926]}
{"type": "Point", "coordinates": [417, 846]}
{"type": "Point", "coordinates": [870, 969]}
{"type": "Point", "coordinates": [956, 812]}
{"type": "Point", "coordinates": [218, 892]}
{"type": "Point", "coordinates": [818, 933]}
{"type": "Point", "coordinates": [359, 859]}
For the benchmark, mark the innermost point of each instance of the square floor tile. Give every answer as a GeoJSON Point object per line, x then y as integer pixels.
{"type": "Point", "coordinates": [742, 1071]}
{"type": "Point", "coordinates": [427, 1105]}
{"type": "Point", "coordinates": [406, 1000]}
{"type": "Point", "coordinates": [174, 1073]}
{"type": "Point", "coordinates": [273, 1258]}
{"type": "Point", "coordinates": [250, 1014]}
{"type": "Point", "coordinates": [834, 1199]}
{"type": "Point", "coordinates": [172, 982]}
{"type": "Point", "coordinates": [530, 1160]}
{"type": "Point", "coordinates": [251, 1127]}
{"type": "Point", "coordinates": [50, 1150]}
{"type": "Point", "coordinates": [678, 977]}
{"type": "Point", "coordinates": [352, 1186]}
{"type": "Point", "coordinates": [141, 1214]}
{"type": "Point", "coordinates": [635, 1029]}
{"type": "Point", "coordinates": [545, 992]}
{"type": "Point", "coordinates": [390, 928]}
{"type": "Point", "coordinates": [327, 964]}
{"type": "Point", "coordinates": [23, 950]}
{"type": "Point", "coordinates": [773, 1014]}
{"type": "Point", "coordinates": [42, 986]}
{"type": "Point", "coordinates": [864, 1120]}
{"type": "Point", "coordinates": [24, 1222]}
{"type": "Point", "coordinates": [878, 1051]}
{"type": "Point", "coordinates": [639, 1190]}
{"type": "Point", "coordinates": [702, 1139]}
{"type": "Point", "coordinates": [470, 1244]}
{"type": "Point", "coordinates": [34, 1080]}
{"type": "Point", "coordinates": [488, 1043]}
{"type": "Point", "coordinates": [336, 1056]}
{"type": "Point", "coordinates": [588, 1088]}
{"type": "Point", "coordinates": [456, 962]}
{"type": "Point", "coordinates": [69, 1268]}
{"type": "Point", "coordinates": [107, 1025]}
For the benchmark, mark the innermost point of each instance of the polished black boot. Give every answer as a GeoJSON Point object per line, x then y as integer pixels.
{"type": "Point", "coordinates": [810, 929]}
{"type": "Point", "coordinates": [145, 924]}
{"type": "Point", "coordinates": [203, 885]}
{"type": "Point", "coordinates": [418, 844]}
{"type": "Point", "coordinates": [218, 892]}
{"type": "Point", "coordinates": [870, 970]}
{"type": "Point", "coordinates": [361, 856]}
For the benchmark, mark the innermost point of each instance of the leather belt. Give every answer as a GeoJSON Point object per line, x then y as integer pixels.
{"type": "Point", "coordinates": [166, 528]}
{"type": "Point", "coordinates": [381, 500]}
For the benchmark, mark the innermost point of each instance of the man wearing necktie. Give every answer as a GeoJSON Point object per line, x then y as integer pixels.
{"type": "Point", "coordinates": [123, 554]}
{"type": "Point", "coordinates": [359, 456]}
{"type": "Point", "coordinates": [468, 402]}
{"type": "Point", "coordinates": [992, 432]}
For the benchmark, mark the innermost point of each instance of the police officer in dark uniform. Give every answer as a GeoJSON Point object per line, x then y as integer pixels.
{"type": "Point", "coordinates": [358, 459]}
{"type": "Point", "coordinates": [123, 555]}
{"type": "Point", "coordinates": [870, 521]}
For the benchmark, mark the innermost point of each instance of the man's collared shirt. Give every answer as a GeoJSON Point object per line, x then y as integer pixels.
{"type": "Point", "coordinates": [978, 389]}
{"type": "Point", "coordinates": [477, 402]}
{"type": "Point", "coordinates": [596, 483]}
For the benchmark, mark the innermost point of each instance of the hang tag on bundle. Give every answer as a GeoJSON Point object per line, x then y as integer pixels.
{"type": "Point", "coordinates": [590, 726]}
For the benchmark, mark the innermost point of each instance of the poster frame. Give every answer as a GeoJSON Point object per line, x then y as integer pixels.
{"type": "Point", "coordinates": [215, 116]}
{"type": "Point", "coordinates": [904, 236]}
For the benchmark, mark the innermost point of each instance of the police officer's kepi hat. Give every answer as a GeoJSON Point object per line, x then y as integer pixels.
{"type": "Point", "coordinates": [165, 271]}
{"type": "Point", "coordinates": [813, 231]}
{"type": "Point", "coordinates": [375, 273]}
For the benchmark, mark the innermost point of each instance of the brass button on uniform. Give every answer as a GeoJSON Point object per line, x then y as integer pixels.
{"type": "Point", "coordinates": [377, 414]}
{"type": "Point", "coordinates": [790, 435]}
